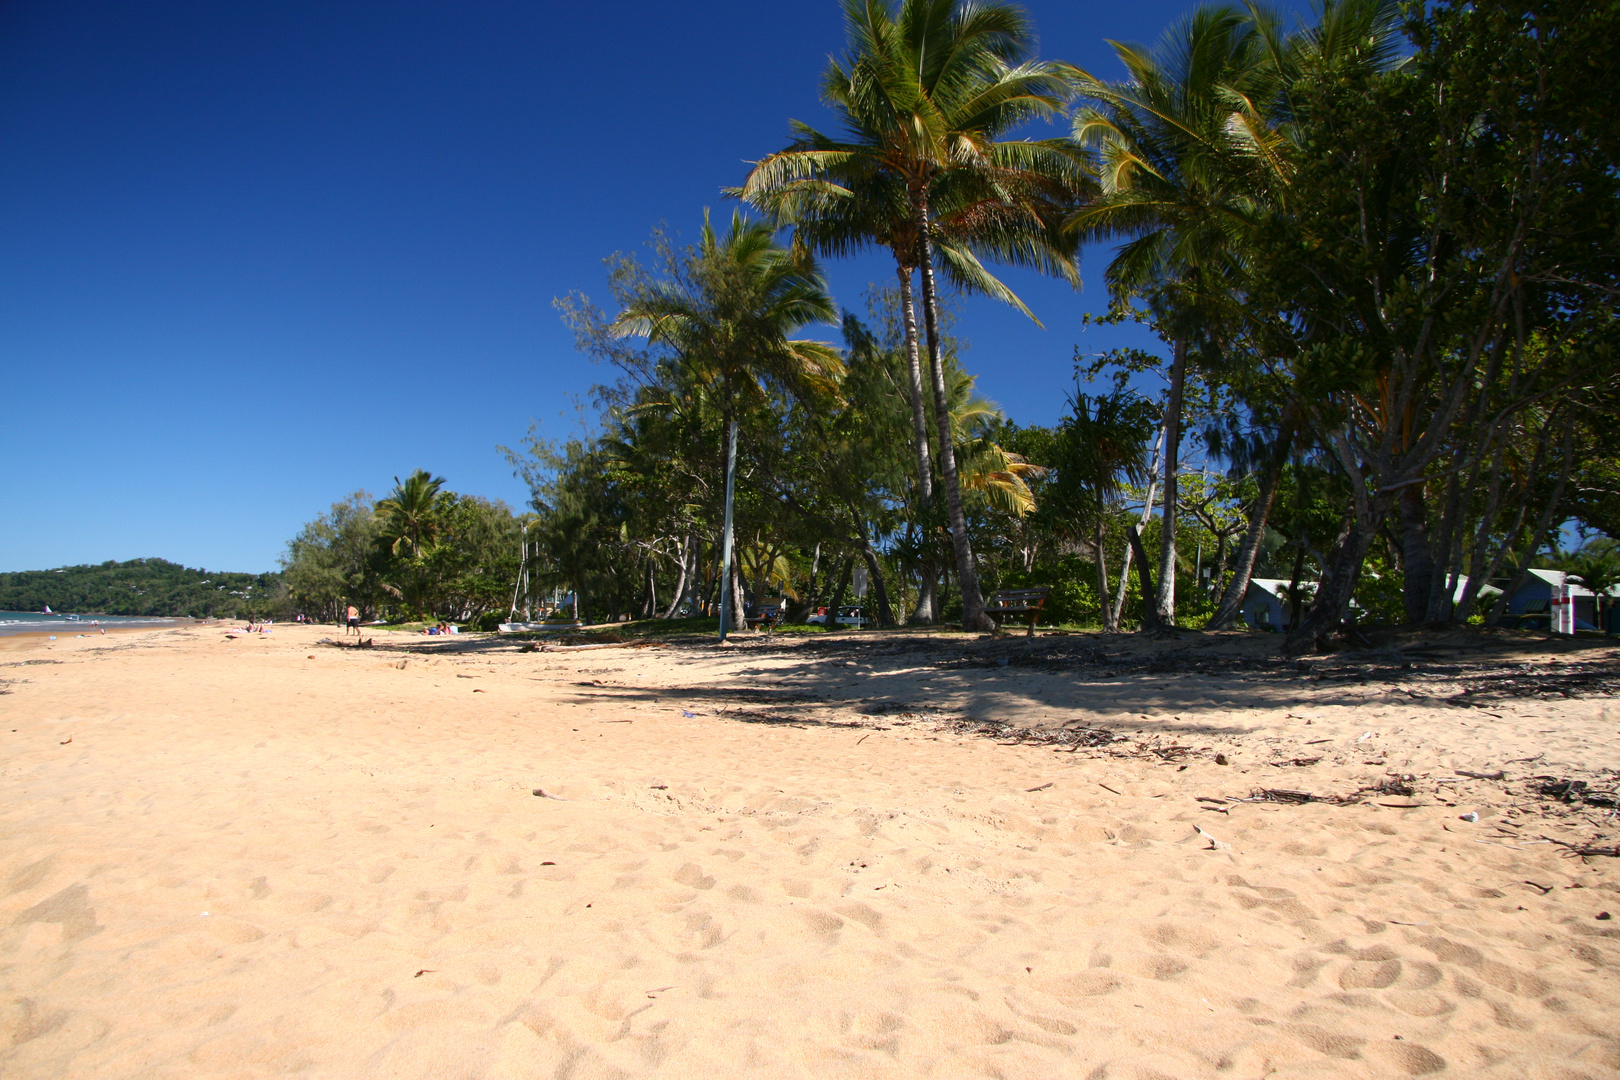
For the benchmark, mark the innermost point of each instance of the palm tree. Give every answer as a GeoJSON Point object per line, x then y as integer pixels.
{"type": "Point", "coordinates": [727, 322]}
{"type": "Point", "coordinates": [1598, 571]}
{"type": "Point", "coordinates": [1103, 447]}
{"type": "Point", "coordinates": [1188, 156]}
{"type": "Point", "coordinates": [925, 92]}
{"type": "Point", "coordinates": [410, 513]}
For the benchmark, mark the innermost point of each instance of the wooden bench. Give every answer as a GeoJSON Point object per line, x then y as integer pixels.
{"type": "Point", "coordinates": [1019, 602]}
{"type": "Point", "coordinates": [766, 615]}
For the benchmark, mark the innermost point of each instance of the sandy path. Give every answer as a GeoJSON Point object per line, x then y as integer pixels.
{"type": "Point", "coordinates": [385, 897]}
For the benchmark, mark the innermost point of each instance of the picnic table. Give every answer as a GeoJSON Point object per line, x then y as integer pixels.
{"type": "Point", "coordinates": [1019, 602]}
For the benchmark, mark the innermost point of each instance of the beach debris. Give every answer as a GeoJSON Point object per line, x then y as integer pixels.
{"type": "Point", "coordinates": [1222, 759]}
{"type": "Point", "coordinates": [1604, 915]}
{"type": "Point", "coordinates": [1059, 738]}
{"type": "Point", "coordinates": [1545, 889]}
{"type": "Point", "coordinates": [65, 741]}
{"type": "Point", "coordinates": [424, 971]}
{"type": "Point", "coordinates": [1043, 787]}
{"type": "Point", "coordinates": [689, 714]}
{"type": "Point", "coordinates": [1283, 795]}
{"type": "Point", "coordinates": [548, 862]}
{"type": "Point", "coordinates": [1497, 775]}
{"type": "Point", "coordinates": [1214, 844]}
{"type": "Point", "coordinates": [1105, 787]}
{"type": "Point", "coordinates": [1403, 785]}
{"type": "Point", "coordinates": [1612, 851]}
{"type": "Point", "coordinates": [1365, 737]}
{"type": "Point", "coordinates": [542, 793]}
{"type": "Point", "coordinates": [1471, 816]}
{"type": "Point", "coordinates": [863, 738]}
{"type": "Point", "coordinates": [1300, 762]}
{"type": "Point", "coordinates": [1575, 791]}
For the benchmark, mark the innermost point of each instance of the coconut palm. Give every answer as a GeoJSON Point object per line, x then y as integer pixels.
{"type": "Point", "coordinates": [410, 513]}
{"type": "Point", "coordinates": [1188, 157]}
{"type": "Point", "coordinates": [1598, 571]}
{"type": "Point", "coordinates": [925, 91]}
{"type": "Point", "coordinates": [727, 322]}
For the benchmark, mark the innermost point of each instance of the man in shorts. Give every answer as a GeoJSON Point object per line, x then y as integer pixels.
{"type": "Point", "coordinates": [354, 622]}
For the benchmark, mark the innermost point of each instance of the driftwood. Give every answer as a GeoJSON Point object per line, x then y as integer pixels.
{"type": "Point", "coordinates": [1612, 850]}
{"type": "Point", "coordinates": [542, 647]}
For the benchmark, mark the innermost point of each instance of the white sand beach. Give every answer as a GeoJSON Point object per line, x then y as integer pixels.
{"type": "Point", "coordinates": [263, 856]}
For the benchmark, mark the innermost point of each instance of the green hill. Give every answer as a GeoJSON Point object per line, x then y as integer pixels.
{"type": "Point", "coordinates": [142, 587]}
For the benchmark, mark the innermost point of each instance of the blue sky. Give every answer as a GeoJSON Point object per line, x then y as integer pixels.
{"type": "Point", "coordinates": [256, 256]}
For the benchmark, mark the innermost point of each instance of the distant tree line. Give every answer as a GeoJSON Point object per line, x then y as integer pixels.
{"type": "Point", "coordinates": [143, 587]}
{"type": "Point", "coordinates": [423, 552]}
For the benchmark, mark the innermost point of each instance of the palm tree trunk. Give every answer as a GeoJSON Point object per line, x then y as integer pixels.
{"type": "Point", "coordinates": [726, 589]}
{"type": "Point", "coordinates": [1165, 601]}
{"type": "Point", "coordinates": [967, 576]}
{"type": "Point", "coordinates": [926, 612]}
{"type": "Point", "coordinates": [919, 407]}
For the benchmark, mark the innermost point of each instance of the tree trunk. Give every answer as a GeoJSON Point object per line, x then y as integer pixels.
{"type": "Point", "coordinates": [739, 598]}
{"type": "Point", "coordinates": [919, 407]}
{"type": "Point", "coordinates": [807, 602]}
{"type": "Point", "coordinates": [967, 575]}
{"type": "Point", "coordinates": [650, 608]}
{"type": "Point", "coordinates": [839, 593]}
{"type": "Point", "coordinates": [727, 589]}
{"type": "Point", "coordinates": [927, 610]}
{"type": "Point", "coordinates": [1110, 626]}
{"type": "Point", "coordinates": [880, 589]}
{"type": "Point", "coordinates": [1417, 555]}
{"type": "Point", "coordinates": [1130, 549]}
{"type": "Point", "coordinates": [1165, 600]}
{"type": "Point", "coordinates": [1333, 592]}
{"type": "Point", "coordinates": [1144, 576]}
{"type": "Point", "coordinates": [1295, 601]}
{"type": "Point", "coordinates": [1231, 605]}
{"type": "Point", "coordinates": [680, 582]}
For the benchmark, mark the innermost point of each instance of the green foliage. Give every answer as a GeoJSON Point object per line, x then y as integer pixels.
{"type": "Point", "coordinates": [424, 552]}
{"type": "Point", "coordinates": [143, 587]}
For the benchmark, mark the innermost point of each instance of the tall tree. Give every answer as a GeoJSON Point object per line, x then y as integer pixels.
{"type": "Point", "coordinates": [728, 322]}
{"type": "Point", "coordinates": [1179, 191]}
{"type": "Point", "coordinates": [926, 91]}
{"type": "Point", "coordinates": [1102, 446]}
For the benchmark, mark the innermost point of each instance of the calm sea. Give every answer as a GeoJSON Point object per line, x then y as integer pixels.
{"type": "Point", "coordinates": [33, 622]}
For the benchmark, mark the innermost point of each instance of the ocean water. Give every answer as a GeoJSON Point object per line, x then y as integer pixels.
{"type": "Point", "coordinates": [34, 622]}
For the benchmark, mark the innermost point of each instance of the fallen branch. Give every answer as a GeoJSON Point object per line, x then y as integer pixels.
{"type": "Point", "coordinates": [1612, 851]}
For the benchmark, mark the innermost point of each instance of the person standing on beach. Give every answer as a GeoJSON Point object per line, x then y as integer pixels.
{"type": "Point", "coordinates": [354, 622]}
